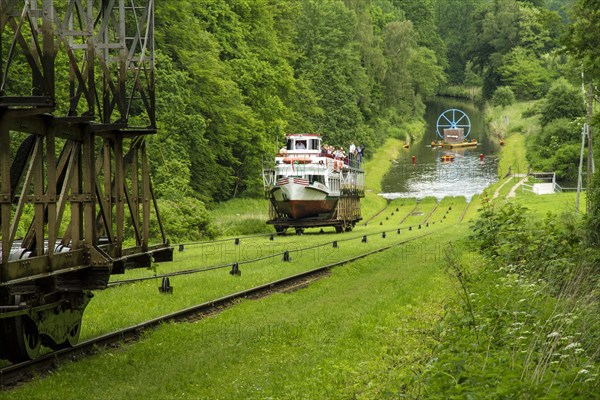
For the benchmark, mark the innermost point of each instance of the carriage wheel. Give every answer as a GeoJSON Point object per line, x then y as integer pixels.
{"type": "Point", "coordinates": [22, 340]}
{"type": "Point", "coordinates": [72, 337]}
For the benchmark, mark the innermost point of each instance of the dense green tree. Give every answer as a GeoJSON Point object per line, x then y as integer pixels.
{"type": "Point", "coordinates": [583, 35]}
{"type": "Point", "coordinates": [562, 101]}
{"type": "Point", "coordinates": [369, 40]}
{"type": "Point", "coordinates": [523, 71]}
{"type": "Point", "coordinates": [565, 162]}
{"type": "Point", "coordinates": [426, 74]}
{"type": "Point", "coordinates": [500, 27]}
{"type": "Point", "coordinates": [455, 21]}
{"type": "Point", "coordinates": [331, 61]}
{"type": "Point", "coordinates": [399, 41]}
{"type": "Point", "coordinates": [559, 132]}
{"type": "Point", "coordinates": [593, 216]}
{"type": "Point", "coordinates": [422, 14]}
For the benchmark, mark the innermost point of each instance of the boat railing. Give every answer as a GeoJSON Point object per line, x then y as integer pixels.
{"type": "Point", "coordinates": [268, 176]}
{"type": "Point", "coordinates": [353, 182]}
{"type": "Point", "coordinates": [334, 183]}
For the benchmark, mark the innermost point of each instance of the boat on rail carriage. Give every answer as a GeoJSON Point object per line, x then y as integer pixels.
{"type": "Point", "coordinates": [307, 187]}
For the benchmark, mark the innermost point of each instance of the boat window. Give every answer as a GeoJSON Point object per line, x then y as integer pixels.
{"type": "Point", "coordinates": [300, 144]}
{"type": "Point", "coordinates": [290, 144]}
{"type": "Point", "coordinates": [316, 178]}
{"type": "Point", "coordinates": [314, 144]}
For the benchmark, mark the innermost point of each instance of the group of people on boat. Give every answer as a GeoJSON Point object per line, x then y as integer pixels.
{"type": "Point", "coordinates": [353, 157]}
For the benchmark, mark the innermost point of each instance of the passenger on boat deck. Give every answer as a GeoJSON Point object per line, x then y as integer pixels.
{"type": "Point", "coordinates": [351, 150]}
{"type": "Point", "coordinates": [283, 150]}
{"type": "Point", "coordinates": [360, 152]}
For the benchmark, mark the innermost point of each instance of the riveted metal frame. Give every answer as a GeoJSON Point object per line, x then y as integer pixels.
{"type": "Point", "coordinates": [86, 195]}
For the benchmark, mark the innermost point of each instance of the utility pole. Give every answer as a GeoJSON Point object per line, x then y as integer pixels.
{"type": "Point", "coordinates": [590, 159]}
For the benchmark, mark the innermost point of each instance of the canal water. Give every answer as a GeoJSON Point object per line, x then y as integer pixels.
{"type": "Point", "coordinates": [466, 176]}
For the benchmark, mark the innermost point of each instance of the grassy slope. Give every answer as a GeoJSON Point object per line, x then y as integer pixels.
{"type": "Point", "coordinates": [331, 338]}
{"type": "Point", "coordinates": [513, 159]}
{"type": "Point", "coordinates": [364, 332]}
{"type": "Point", "coordinates": [241, 217]}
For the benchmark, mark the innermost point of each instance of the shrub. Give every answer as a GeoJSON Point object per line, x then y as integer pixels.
{"type": "Point", "coordinates": [503, 96]}
{"type": "Point", "coordinates": [184, 220]}
{"type": "Point", "coordinates": [593, 216]}
{"type": "Point", "coordinates": [565, 162]}
{"type": "Point", "coordinates": [562, 101]}
{"type": "Point", "coordinates": [560, 131]}
{"type": "Point", "coordinates": [526, 322]}
{"type": "Point", "coordinates": [531, 111]}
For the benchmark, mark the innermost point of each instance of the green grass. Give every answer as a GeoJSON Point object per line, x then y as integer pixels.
{"type": "Point", "coordinates": [556, 203]}
{"type": "Point", "coordinates": [364, 332]}
{"type": "Point", "coordinates": [118, 307]}
{"type": "Point", "coordinates": [378, 166]}
{"type": "Point", "coordinates": [445, 208]}
{"type": "Point", "coordinates": [513, 156]}
{"type": "Point", "coordinates": [241, 217]}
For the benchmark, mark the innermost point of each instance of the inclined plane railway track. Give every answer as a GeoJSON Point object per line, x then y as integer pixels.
{"type": "Point", "coordinates": [15, 374]}
{"type": "Point", "coordinates": [280, 254]}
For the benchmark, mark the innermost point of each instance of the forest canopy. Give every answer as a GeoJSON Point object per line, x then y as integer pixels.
{"type": "Point", "coordinates": [234, 76]}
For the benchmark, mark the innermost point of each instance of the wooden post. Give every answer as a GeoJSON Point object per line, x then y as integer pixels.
{"type": "Point", "coordinates": [119, 190]}
{"type": "Point", "coordinates": [51, 189]}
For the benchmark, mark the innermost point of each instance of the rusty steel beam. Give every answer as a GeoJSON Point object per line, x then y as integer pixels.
{"type": "Point", "coordinates": [108, 39]}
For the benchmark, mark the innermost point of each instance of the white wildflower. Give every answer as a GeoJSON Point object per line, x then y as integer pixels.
{"type": "Point", "coordinates": [583, 372]}
{"type": "Point", "coordinates": [572, 346]}
{"type": "Point", "coordinates": [553, 335]}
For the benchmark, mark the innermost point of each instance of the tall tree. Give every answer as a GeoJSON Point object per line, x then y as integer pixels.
{"type": "Point", "coordinates": [582, 39]}
{"type": "Point", "coordinates": [501, 26]}
{"type": "Point", "coordinates": [331, 61]}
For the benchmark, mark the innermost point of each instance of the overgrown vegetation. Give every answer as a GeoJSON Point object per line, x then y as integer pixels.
{"type": "Point", "coordinates": [557, 146]}
{"type": "Point", "coordinates": [527, 324]}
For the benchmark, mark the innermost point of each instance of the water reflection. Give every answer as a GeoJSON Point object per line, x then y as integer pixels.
{"type": "Point", "coordinates": [466, 176]}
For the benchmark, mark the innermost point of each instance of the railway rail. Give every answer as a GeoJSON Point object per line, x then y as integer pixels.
{"type": "Point", "coordinates": [16, 374]}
